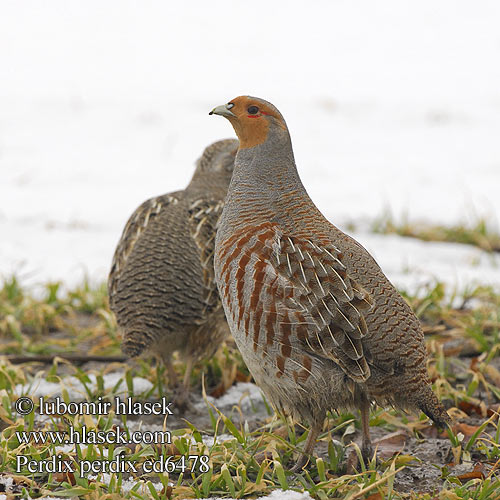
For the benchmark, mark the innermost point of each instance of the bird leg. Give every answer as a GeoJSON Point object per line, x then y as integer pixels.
{"type": "Point", "coordinates": [173, 380]}
{"type": "Point", "coordinates": [186, 383]}
{"type": "Point", "coordinates": [181, 398]}
{"type": "Point", "coordinates": [314, 431]}
{"type": "Point", "coordinates": [366, 443]}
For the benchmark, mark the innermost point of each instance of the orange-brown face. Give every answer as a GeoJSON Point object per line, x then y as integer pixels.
{"type": "Point", "coordinates": [250, 118]}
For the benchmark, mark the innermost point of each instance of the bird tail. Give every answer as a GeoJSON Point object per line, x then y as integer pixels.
{"type": "Point", "coordinates": [136, 341]}
{"type": "Point", "coordinates": [433, 408]}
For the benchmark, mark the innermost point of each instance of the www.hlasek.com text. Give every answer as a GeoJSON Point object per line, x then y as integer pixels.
{"type": "Point", "coordinates": [89, 436]}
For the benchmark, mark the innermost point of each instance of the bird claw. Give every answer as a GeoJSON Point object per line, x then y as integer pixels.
{"type": "Point", "coordinates": [367, 452]}
{"type": "Point", "coordinates": [182, 401]}
{"type": "Point", "coordinates": [299, 465]}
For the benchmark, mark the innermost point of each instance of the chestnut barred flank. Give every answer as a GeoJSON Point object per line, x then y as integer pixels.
{"type": "Point", "coordinates": [291, 287]}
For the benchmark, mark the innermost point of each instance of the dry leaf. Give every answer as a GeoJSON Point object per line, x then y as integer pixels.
{"type": "Point", "coordinates": [448, 495]}
{"type": "Point", "coordinates": [352, 462]}
{"type": "Point", "coordinates": [62, 477]}
{"type": "Point", "coordinates": [167, 492]}
{"type": "Point", "coordinates": [219, 391]}
{"type": "Point", "coordinates": [470, 408]}
{"type": "Point", "coordinates": [493, 410]}
{"type": "Point", "coordinates": [242, 377]}
{"type": "Point", "coordinates": [391, 444]}
{"type": "Point", "coordinates": [477, 472]}
{"type": "Point", "coordinates": [473, 364]}
{"type": "Point", "coordinates": [375, 496]}
{"type": "Point", "coordinates": [465, 429]}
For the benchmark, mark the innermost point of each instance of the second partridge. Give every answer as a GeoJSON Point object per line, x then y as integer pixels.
{"type": "Point", "coordinates": [161, 285]}
{"type": "Point", "coordinates": [318, 324]}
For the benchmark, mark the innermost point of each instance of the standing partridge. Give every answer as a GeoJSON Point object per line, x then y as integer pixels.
{"type": "Point", "coordinates": [161, 286]}
{"type": "Point", "coordinates": [318, 324]}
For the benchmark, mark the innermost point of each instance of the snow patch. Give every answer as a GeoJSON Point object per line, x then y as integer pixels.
{"type": "Point", "coordinates": [278, 495]}
{"type": "Point", "coordinates": [244, 394]}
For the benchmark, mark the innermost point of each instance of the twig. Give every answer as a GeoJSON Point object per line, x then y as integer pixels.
{"type": "Point", "coordinates": [74, 358]}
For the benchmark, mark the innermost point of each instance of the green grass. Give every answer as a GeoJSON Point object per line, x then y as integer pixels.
{"type": "Point", "coordinates": [256, 458]}
{"type": "Point", "coordinates": [57, 322]}
{"type": "Point", "coordinates": [478, 233]}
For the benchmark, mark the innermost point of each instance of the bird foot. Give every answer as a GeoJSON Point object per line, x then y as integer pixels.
{"type": "Point", "coordinates": [182, 401]}
{"type": "Point", "coordinates": [367, 452]}
{"type": "Point", "coordinates": [299, 465]}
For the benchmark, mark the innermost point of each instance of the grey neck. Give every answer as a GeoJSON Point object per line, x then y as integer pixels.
{"type": "Point", "coordinates": [264, 179]}
{"type": "Point", "coordinates": [268, 167]}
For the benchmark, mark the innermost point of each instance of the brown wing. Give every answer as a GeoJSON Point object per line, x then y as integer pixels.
{"type": "Point", "coordinates": [203, 218]}
{"type": "Point", "coordinates": [296, 294]}
{"type": "Point", "coordinates": [317, 286]}
{"type": "Point", "coordinates": [135, 226]}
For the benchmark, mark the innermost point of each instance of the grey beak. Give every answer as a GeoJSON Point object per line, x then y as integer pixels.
{"type": "Point", "coordinates": [223, 110]}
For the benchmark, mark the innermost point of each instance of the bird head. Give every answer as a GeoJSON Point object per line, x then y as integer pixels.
{"type": "Point", "coordinates": [252, 119]}
{"type": "Point", "coordinates": [218, 158]}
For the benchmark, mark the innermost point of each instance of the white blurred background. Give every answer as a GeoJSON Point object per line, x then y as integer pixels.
{"type": "Point", "coordinates": [391, 105]}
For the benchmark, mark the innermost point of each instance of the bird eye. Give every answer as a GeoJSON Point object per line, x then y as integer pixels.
{"type": "Point", "coordinates": [253, 110]}
{"type": "Point", "coordinates": [229, 105]}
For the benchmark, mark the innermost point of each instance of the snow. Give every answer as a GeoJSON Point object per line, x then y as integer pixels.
{"type": "Point", "coordinates": [102, 105]}
{"type": "Point", "coordinates": [279, 495]}
{"type": "Point", "coordinates": [415, 265]}
{"type": "Point", "coordinates": [128, 484]}
{"type": "Point", "coordinates": [7, 482]}
{"type": "Point", "coordinates": [244, 394]}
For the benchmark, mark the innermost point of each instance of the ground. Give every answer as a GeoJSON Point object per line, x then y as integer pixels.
{"type": "Point", "coordinates": [74, 349]}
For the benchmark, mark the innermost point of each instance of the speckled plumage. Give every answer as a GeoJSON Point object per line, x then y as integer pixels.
{"type": "Point", "coordinates": [318, 323]}
{"type": "Point", "coordinates": [161, 285]}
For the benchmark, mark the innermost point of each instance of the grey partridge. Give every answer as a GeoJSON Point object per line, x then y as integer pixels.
{"type": "Point", "coordinates": [318, 324]}
{"type": "Point", "coordinates": [161, 286]}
